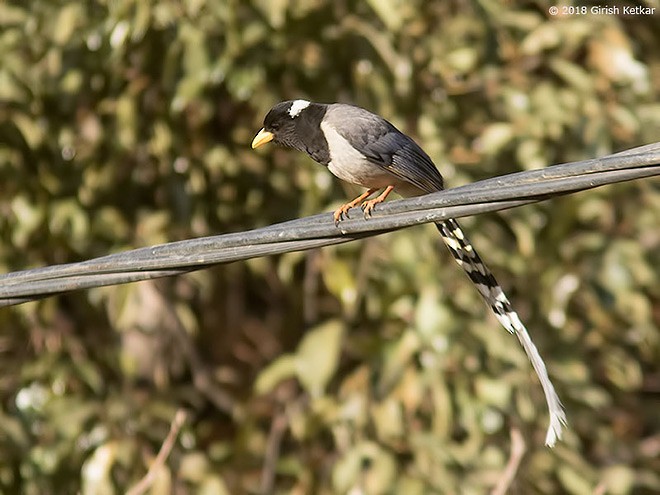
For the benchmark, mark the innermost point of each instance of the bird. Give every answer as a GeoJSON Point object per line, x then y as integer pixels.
{"type": "Point", "coordinates": [363, 148]}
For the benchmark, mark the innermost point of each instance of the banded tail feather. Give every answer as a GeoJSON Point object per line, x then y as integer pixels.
{"type": "Point", "coordinates": [468, 258]}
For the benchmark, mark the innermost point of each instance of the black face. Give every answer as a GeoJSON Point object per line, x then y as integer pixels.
{"type": "Point", "coordinates": [297, 124]}
{"type": "Point", "coordinates": [281, 124]}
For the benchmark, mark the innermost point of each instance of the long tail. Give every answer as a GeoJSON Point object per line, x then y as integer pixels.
{"type": "Point", "coordinates": [466, 256]}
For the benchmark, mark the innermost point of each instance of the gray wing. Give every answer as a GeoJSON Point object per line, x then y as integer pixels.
{"type": "Point", "coordinates": [385, 146]}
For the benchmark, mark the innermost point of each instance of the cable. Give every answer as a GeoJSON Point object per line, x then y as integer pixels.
{"type": "Point", "coordinates": [499, 193]}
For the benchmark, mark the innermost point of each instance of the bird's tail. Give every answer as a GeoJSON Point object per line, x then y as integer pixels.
{"type": "Point", "coordinates": [466, 256]}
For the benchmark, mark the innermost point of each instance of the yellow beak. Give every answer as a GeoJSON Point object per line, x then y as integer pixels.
{"type": "Point", "coordinates": [262, 137]}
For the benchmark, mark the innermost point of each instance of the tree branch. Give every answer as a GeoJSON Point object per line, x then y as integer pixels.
{"type": "Point", "coordinates": [145, 483]}
{"type": "Point", "coordinates": [517, 452]}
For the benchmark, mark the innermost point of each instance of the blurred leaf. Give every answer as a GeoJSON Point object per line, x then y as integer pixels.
{"type": "Point", "coordinates": [318, 355]}
{"type": "Point", "coordinates": [574, 481]}
{"type": "Point", "coordinates": [213, 485]}
{"type": "Point", "coordinates": [13, 430]}
{"type": "Point", "coordinates": [495, 137]}
{"type": "Point", "coordinates": [622, 370]}
{"type": "Point", "coordinates": [572, 74]}
{"type": "Point", "coordinates": [12, 15]}
{"type": "Point", "coordinates": [397, 357]}
{"type": "Point", "coordinates": [494, 391]}
{"type": "Point", "coordinates": [67, 21]}
{"type": "Point", "coordinates": [30, 217]}
{"type": "Point", "coordinates": [30, 129]}
{"type": "Point", "coordinates": [463, 59]}
{"type": "Point", "coordinates": [365, 465]}
{"type": "Point", "coordinates": [619, 479]}
{"type": "Point", "coordinates": [388, 419]}
{"type": "Point", "coordinates": [194, 467]}
{"type": "Point", "coordinates": [544, 37]}
{"type": "Point", "coordinates": [275, 11]}
{"type": "Point", "coordinates": [96, 471]}
{"type": "Point", "coordinates": [69, 220]}
{"type": "Point", "coordinates": [390, 12]}
{"type": "Point", "coordinates": [282, 368]}
{"type": "Point", "coordinates": [340, 279]}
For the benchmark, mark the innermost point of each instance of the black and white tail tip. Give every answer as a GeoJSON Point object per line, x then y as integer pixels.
{"type": "Point", "coordinates": [466, 256]}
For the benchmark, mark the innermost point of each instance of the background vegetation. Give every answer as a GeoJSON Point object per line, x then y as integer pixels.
{"type": "Point", "coordinates": [367, 368]}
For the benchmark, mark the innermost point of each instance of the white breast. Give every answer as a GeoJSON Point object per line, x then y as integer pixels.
{"type": "Point", "coordinates": [350, 165]}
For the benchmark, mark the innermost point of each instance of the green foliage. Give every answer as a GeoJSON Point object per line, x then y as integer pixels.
{"type": "Point", "coordinates": [367, 368]}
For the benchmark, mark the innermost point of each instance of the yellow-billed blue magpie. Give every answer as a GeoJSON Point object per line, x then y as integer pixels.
{"type": "Point", "coordinates": [363, 148]}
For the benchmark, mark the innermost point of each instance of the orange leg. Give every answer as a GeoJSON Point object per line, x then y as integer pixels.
{"type": "Point", "coordinates": [368, 206]}
{"type": "Point", "coordinates": [343, 209]}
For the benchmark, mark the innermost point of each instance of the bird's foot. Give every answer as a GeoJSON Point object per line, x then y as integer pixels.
{"type": "Point", "coordinates": [342, 212]}
{"type": "Point", "coordinates": [369, 205]}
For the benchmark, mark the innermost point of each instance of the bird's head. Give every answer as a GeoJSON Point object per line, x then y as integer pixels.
{"type": "Point", "coordinates": [284, 124]}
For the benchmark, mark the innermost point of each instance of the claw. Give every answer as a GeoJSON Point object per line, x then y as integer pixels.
{"type": "Point", "coordinates": [368, 206]}
{"type": "Point", "coordinates": [341, 212]}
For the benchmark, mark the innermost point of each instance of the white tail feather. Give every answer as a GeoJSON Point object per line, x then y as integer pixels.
{"type": "Point", "coordinates": [467, 257]}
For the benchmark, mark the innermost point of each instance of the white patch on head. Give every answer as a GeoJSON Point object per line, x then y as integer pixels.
{"type": "Point", "coordinates": [296, 107]}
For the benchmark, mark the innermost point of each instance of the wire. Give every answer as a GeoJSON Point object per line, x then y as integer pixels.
{"type": "Point", "coordinates": [499, 193]}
